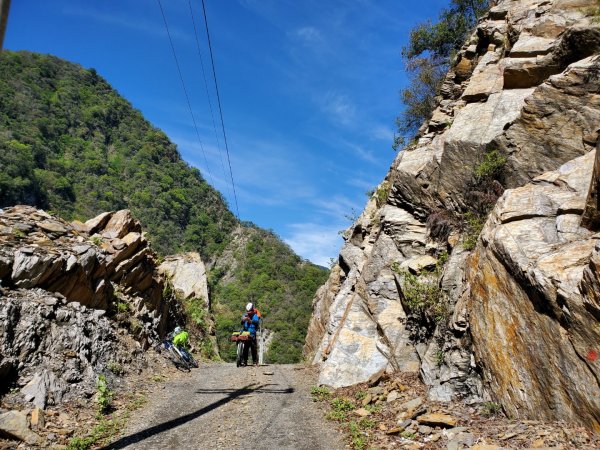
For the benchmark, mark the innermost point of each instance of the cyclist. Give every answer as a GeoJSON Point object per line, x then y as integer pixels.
{"type": "Point", "coordinates": [181, 341]}
{"type": "Point", "coordinates": [181, 338]}
{"type": "Point", "coordinates": [250, 322]}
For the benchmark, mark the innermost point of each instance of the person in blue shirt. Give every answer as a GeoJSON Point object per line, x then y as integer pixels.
{"type": "Point", "coordinates": [250, 323]}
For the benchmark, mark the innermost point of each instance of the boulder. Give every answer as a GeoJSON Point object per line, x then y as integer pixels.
{"type": "Point", "coordinates": [438, 420]}
{"type": "Point", "coordinates": [121, 223]}
{"type": "Point", "coordinates": [521, 73]}
{"type": "Point", "coordinates": [13, 424]}
{"type": "Point", "coordinates": [484, 82]}
{"type": "Point", "coordinates": [529, 45]}
{"type": "Point", "coordinates": [187, 275]}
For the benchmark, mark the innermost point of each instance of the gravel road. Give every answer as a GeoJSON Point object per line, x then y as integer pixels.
{"type": "Point", "coordinates": [219, 406]}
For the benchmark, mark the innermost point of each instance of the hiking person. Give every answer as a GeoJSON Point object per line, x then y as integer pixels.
{"type": "Point", "coordinates": [181, 338]}
{"type": "Point", "coordinates": [250, 322]}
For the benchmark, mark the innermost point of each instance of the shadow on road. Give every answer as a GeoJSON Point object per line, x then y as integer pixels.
{"type": "Point", "coordinates": [263, 389]}
{"type": "Point", "coordinates": [232, 394]}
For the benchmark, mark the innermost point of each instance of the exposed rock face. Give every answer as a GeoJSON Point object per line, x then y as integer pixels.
{"type": "Point", "coordinates": [14, 424]}
{"type": "Point", "coordinates": [59, 281]}
{"type": "Point", "coordinates": [187, 274]}
{"type": "Point", "coordinates": [83, 262]}
{"type": "Point", "coordinates": [533, 287]}
{"type": "Point", "coordinates": [526, 87]}
{"type": "Point", "coordinates": [55, 347]}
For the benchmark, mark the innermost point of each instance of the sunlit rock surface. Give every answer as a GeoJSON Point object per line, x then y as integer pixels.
{"type": "Point", "coordinates": [526, 85]}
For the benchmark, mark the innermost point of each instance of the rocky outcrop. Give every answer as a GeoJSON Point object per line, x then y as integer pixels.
{"type": "Point", "coordinates": [187, 275]}
{"type": "Point", "coordinates": [60, 283]}
{"type": "Point", "coordinates": [524, 89]}
{"type": "Point", "coordinates": [85, 263]}
{"type": "Point", "coordinates": [533, 287]}
{"type": "Point", "coordinates": [54, 349]}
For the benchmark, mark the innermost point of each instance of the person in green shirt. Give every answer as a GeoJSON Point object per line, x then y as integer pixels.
{"type": "Point", "coordinates": [181, 338]}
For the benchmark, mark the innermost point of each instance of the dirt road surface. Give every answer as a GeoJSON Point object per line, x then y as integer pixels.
{"type": "Point", "coordinates": [219, 406]}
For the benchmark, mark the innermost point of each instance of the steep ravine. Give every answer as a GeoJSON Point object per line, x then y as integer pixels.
{"type": "Point", "coordinates": [516, 318]}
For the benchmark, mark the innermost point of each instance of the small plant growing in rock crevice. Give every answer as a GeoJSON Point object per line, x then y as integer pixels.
{"type": "Point", "coordinates": [104, 395]}
{"type": "Point", "coordinates": [484, 191]}
{"type": "Point", "coordinates": [423, 299]}
{"type": "Point", "coordinates": [490, 409]}
{"type": "Point", "coordinates": [439, 357]}
{"type": "Point", "coordinates": [593, 11]}
{"type": "Point", "coordinates": [491, 167]}
{"type": "Point", "coordinates": [115, 368]}
{"type": "Point", "coordinates": [422, 294]}
{"type": "Point", "coordinates": [382, 193]}
{"type": "Point", "coordinates": [472, 229]}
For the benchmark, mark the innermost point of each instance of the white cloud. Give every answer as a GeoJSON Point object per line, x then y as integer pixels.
{"type": "Point", "coordinates": [361, 183]}
{"type": "Point", "coordinates": [338, 207]}
{"type": "Point", "coordinates": [309, 35]}
{"type": "Point", "coordinates": [124, 21]}
{"type": "Point", "coordinates": [317, 243]}
{"type": "Point", "coordinates": [360, 152]}
{"type": "Point", "coordinates": [265, 171]}
{"type": "Point", "coordinates": [339, 107]}
{"type": "Point", "coordinates": [383, 133]}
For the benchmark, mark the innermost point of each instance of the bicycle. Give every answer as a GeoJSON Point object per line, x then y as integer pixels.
{"type": "Point", "coordinates": [181, 358]}
{"type": "Point", "coordinates": [241, 338]}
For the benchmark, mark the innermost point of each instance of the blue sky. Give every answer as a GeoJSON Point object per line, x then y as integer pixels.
{"type": "Point", "coordinates": [309, 91]}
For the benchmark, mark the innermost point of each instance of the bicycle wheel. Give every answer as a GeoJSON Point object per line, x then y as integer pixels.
{"type": "Point", "coordinates": [240, 352]}
{"type": "Point", "coordinates": [189, 359]}
{"type": "Point", "coordinates": [178, 359]}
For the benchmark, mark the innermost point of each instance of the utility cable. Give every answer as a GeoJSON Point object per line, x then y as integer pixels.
{"type": "Point", "coordinates": [208, 96]}
{"type": "Point", "coordinates": [187, 97]}
{"type": "Point", "coordinates": [220, 109]}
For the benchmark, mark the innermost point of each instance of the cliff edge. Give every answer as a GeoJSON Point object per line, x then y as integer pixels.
{"type": "Point", "coordinates": [508, 311]}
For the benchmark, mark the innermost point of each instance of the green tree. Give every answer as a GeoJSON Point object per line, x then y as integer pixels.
{"type": "Point", "coordinates": [71, 144]}
{"type": "Point", "coordinates": [428, 56]}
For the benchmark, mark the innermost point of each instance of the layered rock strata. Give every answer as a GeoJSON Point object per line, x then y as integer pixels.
{"type": "Point", "coordinates": [59, 283]}
{"type": "Point", "coordinates": [524, 88]}
{"type": "Point", "coordinates": [85, 263]}
{"type": "Point", "coordinates": [533, 287]}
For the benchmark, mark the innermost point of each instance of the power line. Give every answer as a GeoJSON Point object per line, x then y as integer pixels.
{"type": "Point", "coordinates": [220, 109]}
{"type": "Point", "coordinates": [187, 97]}
{"type": "Point", "coordinates": [208, 96]}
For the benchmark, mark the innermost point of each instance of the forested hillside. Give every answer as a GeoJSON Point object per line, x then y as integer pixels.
{"type": "Point", "coordinates": [264, 270]}
{"type": "Point", "coordinates": [69, 143]}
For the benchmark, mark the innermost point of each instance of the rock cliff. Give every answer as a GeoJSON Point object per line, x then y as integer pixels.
{"type": "Point", "coordinates": [82, 262]}
{"type": "Point", "coordinates": [513, 316]}
{"type": "Point", "coordinates": [60, 283]}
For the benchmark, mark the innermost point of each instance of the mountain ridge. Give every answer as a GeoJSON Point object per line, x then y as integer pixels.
{"type": "Point", "coordinates": [71, 144]}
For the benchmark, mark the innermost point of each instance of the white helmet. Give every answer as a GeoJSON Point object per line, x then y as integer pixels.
{"type": "Point", "coordinates": [177, 330]}
{"type": "Point", "coordinates": [249, 307]}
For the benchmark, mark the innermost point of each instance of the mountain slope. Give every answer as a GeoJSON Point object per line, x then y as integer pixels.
{"type": "Point", "coordinates": [71, 144]}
